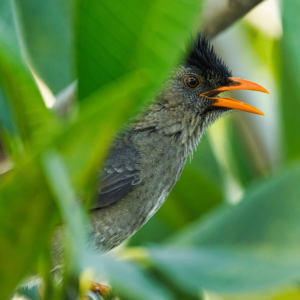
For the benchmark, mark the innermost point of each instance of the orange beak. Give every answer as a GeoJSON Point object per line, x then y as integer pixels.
{"type": "Point", "coordinates": [237, 84]}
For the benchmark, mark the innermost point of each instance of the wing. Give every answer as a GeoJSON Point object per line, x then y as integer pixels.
{"type": "Point", "coordinates": [119, 176]}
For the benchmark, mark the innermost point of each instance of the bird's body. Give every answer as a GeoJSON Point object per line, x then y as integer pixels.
{"type": "Point", "coordinates": [155, 152]}
{"type": "Point", "coordinates": [146, 160]}
{"type": "Point", "coordinates": [154, 149]}
{"type": "Point", "coordinates": [158, 172]}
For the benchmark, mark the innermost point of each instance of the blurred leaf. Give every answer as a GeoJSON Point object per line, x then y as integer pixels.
{"type": "Point", "coordinates": [225, 270]}
{"type": "Point", "coordinates": [266, 47]}
{"type": "Point", "coordinates": [291, 295]}
{"type": "Point", "coordinates": [60, 185]}
{"type": "Point", "coordinates": [6, 120]}
{"type": "Point", "coordinates": [76, 143]}
{"type": "Point", "coordinates": [7, 28]}
{"type": "Point", "coordinates": [243, 165]}
{"type": "Point", "coordinates": [290, 95]}
{"type": "Point", "coordinates": [288, 293]}
{"type": "Point", "coordinates": [128, 279]}
{"type": "Point", "coordinates": [83, 144]}
{"type": "Point", "coordinates": [47, 33]}
{"type": "Point", "coordinates": [136, 35]}
{"type": "Point", "coordinates": [252, 246]}
{"type": "Point", "coordinates": [204, 161]}
{"type": "Point", "coordinates": [7, 24]}
{"type": "Point", "coordinates": [26, 206]}
{"type": "Point", "coordinates": [25, 226]}
{"type": "Point", "coordinates": [154, 231]}
{"type": "Point", "coordinates": [32, 117]}
{"type": "Point", "coordinates": [266, 216]}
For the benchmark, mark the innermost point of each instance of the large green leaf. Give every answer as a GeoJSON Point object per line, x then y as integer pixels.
{"type": "Point", "coordinates": [229, 271]}
{"type": "Point", "coordinates": [26, 221]}
{"type": "Point", "coordinates": [252, 246]}
{"type": "Point", "coordinates": [267, 215]}
{"type": "Point", "coordinates": [82, 145]}
{"type": "Point", "coordinates": [64, 194]}
{"type": "Point", "coordinates": [115, 38]}
{"type": "Point", "coordinates": [26, 206]}
{"type": "Point", "coordinates": [47, 36]}
{"type": "Point", "coordinates": [290, 96]}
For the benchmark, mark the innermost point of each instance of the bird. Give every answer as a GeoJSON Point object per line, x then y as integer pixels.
{"type": "Point", "coordinates": [146, 158]}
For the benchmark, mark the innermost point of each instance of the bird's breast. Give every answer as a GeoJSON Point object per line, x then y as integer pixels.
{"type": "Point", "coordinates": [160, 164]}
{"type": "Point", "coordinates": [157, 204]}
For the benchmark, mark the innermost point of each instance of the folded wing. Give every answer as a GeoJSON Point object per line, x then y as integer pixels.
{"type": "Point", "coordinates": [119, 176]}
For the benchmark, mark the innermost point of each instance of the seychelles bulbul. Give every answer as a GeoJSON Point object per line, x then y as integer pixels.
{"type": "Point", "coordinates": [146, 159]}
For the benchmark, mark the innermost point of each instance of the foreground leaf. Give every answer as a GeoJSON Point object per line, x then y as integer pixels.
{"type": "Point", "coordinates": [61, 187]}
{"type": "Point", "coordinates": [252, 246]}
{"type": "Point", "coordinates": [115, 38]}
{"type": "Point", "coordinates": [128, 279]}
{"type": "Point", "coordinates": [26, 222]}
{"type": "Point", "coordinates": [226, 270]}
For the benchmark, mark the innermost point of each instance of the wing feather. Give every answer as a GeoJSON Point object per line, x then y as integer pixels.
{"type": "Point", "coordinates": [118, 177]}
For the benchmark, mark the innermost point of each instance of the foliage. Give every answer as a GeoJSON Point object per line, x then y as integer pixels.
{"type": "Point", "coordinates": [121, 55]}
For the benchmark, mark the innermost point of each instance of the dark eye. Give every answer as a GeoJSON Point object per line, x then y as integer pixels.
{"type": "Point", "coordinates": [191, 81]}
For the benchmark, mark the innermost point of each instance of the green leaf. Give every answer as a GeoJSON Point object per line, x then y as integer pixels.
{"type": "Point", "coordinates": [7, 24]}
{"type": "Point", "coordinates": [82, 145]}
{"type": "Point", "coordinates": [115, 38]}
{"type": "Point", "coordinates": [60, 185]}
{"type": "Point", "coordinates": [241, 162]}
{"type": "Point", "coordinates": [290, 73]}
{"type": "Point", "coordinates": [26, 222]}
{"type": "Point", "coordinates": [7, 27]}
{"type": "Point", "coordinates": [32, 117]}
{"type": "Point", "coordinates": [84, 142]}
{"type": "Point", "coordinates": [252, 246]}
{"type": "Point", "coordinates": [266, 216]}
{"type": "Point", "coordinates": [6, 120]}
{"type": "Point", "coordinates": [47, 36]}
{"type": "Point", "coordinates": [229, 271]}
{"type": "Point", "coordinates": [128, 279]}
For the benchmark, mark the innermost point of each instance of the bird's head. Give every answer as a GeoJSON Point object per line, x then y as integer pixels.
{"type": "Point", "coordinates": [190, 100]}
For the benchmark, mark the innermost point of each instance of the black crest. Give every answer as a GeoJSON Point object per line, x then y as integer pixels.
{"type": "Point", "coordinates": [205, 59]}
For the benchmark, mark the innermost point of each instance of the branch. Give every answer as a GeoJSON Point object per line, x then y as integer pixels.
{"type": "Point", "coordinates": [219, 16]}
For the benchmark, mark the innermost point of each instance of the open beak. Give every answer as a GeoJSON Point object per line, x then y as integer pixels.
{"type": "Point", "coordinates": [237, 84]}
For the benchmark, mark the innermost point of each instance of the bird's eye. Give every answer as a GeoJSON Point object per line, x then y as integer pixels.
{"type": "Point", "coordinates": [191, 81]}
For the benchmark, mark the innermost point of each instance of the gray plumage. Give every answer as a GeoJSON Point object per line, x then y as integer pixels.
{"type": "Point", "coordinates": [146, 159]}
